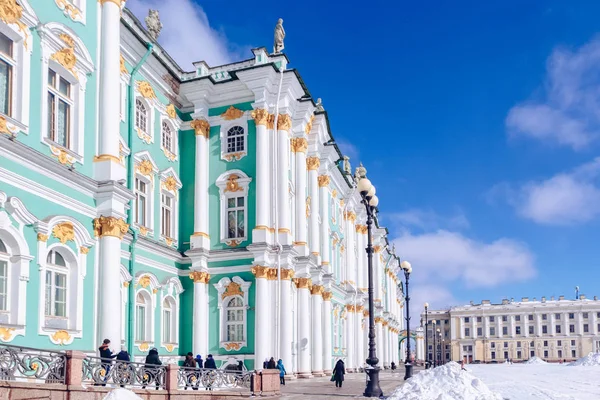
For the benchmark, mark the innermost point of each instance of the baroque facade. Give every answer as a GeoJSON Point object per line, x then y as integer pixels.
{"type": "Point", "coordinates": [553, 329]}
{"type": "Point", "coordinates": [207, 211]}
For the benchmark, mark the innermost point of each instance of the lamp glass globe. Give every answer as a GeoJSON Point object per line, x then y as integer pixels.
{"type": "Point", "coordinates": [374, 202]}
{"type": "Point", "coordinates": [405, 265]}
{"type": "Point", "coordinates": [364, 185]}
{"type": "Point", "coordinates": [426, 305]}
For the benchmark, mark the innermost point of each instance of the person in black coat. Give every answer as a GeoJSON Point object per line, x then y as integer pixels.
{"type": "Point", "coordinates": [338, 373]}
{"type": "Point", "coordinates": [125, 370]}
{"type": "Point", "coordinates": [272, 364]}
{"type": "Point", "coordinates": [199, 361]}
{"type": "Point", "coordinates": [210, 362]}
{"type": "Point", "coordinates": [152, 361]}
{"type": "Point", "coordinates": [106, 355]}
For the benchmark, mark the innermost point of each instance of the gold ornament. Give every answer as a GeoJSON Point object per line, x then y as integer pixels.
{"type": "Point", "coordinates": [154, 290]}
{"type": "Point", "coordinates": [350, 308]}
{"type": "Point", "coordinates": [232, 113]}
{"type": "Point", "coordinates": [125, 284]}
{"type": "Point", "coordinates": [170, 184]}
{"type": "Point", "coordinates": [259, 271]}
{"type": "Point", "coordinates": [313, 163]}
{"type": "Point", "coordinates": [123, 67]}
{"type": "Point", "coordinates": [199, 276]}
{"type": "Point", "coordinates": [323, 180]}
{"type": "Point", "coordinates": [144, 281]}
{"type": "Point", "coordinates": [146, 90]}
{"type": "Point", "coordinates": [201, 127]}
{"type": "Point", "coordinates": [309, 125]}
{"type": "Point", "coordinates": [317, 290]}
{"type": "Point", "coordinates": [62, 155]}
{"type": "Point", "coordinates": [327, 296]}
{"type": "Point", "coordinates": [284, 122]}
{"type": "Point", "coordinates": [233, 289]}
{"type": "Point", "coordinates": [61, 337]}
{"type": "Point", "coordinates": [308, 200]}
{"type": "Point", "coordinates": [287, 274]}
{"type": "Point", "coordinates": [169, 347]}
{"type": "Point", "coordinates": [6, 334]}
{"type": "Point", "coordinates": [3, 126]}
{"type": "Point", "coordinates": [232, 346]}
{"type": "Point", "coordinates": [69, 41]}
{"type": "Point", "coordinates": [171, 112]}
{"type": "Point", "coordinates": [233, 243]}
{"type": "Point", "coordinates": [303, 283]}
{"type": "Point", "coordinates": [110, 226]}
{"type": "Point", "coordinates": [260, 116]}
{"type": "Point", "coordinates": [64, 232]}
{"type": "Point", "coordinates": [234, 156]}
{"type": "Point", "coordinates": [169, 241]}
{"type": "Point", "coordinates": [143, 230]}
{"type": "Point", "coordinates": [350, 216]}
{"type": "Point", "coordinates": [377, 248]}
{"type": "Point", "coordinates": [299, 145]}
{"type": "Point", "coordinates": [232, 184]}
{"type": "Point", "coordinates": [334, 193]}
{"type": "Point", "coordinates": [271, 121]}
{"type": "Point", "coordinates": [42, 238]}
{"type": "Point", "coordinates": [11, 12]}
{"type": "Point", "coordinates": [144, 346]}
{"type": "Point", "coordinates": [84, 250]}
{"type": "Point", "coordinates": [272, 274]}
{"type": "Point", "coordinates": [66, 57]}
{"type": "Point", "coordinates": [144, 167]}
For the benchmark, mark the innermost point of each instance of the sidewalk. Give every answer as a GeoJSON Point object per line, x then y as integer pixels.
{"type": "Point", "coordinates": [354, 386]}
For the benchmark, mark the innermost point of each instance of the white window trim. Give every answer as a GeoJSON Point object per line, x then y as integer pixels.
{"type": "Point", "coordinates": [146, 282]}
{"type": "Point", "coordinates": [172, 288]}
{"type": "Point", "coordinates": [221, 287]}
{"type": "Point", "coordinates": [175, 125]}
{"type": "Point", "coordinates": [51, 44]}
{"type": "Point", "coordinates": [167, 178]}
{"type": "Point", "coordinates": [223, 129]}
{"type": "Point", "coordinates": [149, 314]}
{"type": "Point", "coordinates": [173, 322]}
{"type": "Point", "coordinates": [149, 209]}
{"type": "Point", "coordinates": [243, 183]}
{"type": "Point", "coordinates": [146, 136]}
{"type": "Point", "coordinates": [140, 158]}
{"type": "Point", "coordinates": [74, 9]}
{"type": "Point", "coordinates": [123, 96]}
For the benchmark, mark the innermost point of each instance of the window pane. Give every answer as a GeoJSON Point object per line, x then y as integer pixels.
{"type": "Point", "coordinates": [64, 87]}
{"type": "Point", "coordinates": [3, 247]}
{"type": "Point", "coordinates": [167, 326]}
{"type": "Point", "coordinates": [51, 78]}
{"type": "Point", "coordinates": [48, 297]}
{"type": "Point", "coordinates": [5, 87]}
{"type": "Point", "coordinates": [6, 45]}
{"type": "Point", "coordinates": [240, 223]}
{"type": "Point", "coordinates": [140, 319]}
{"type": "Point", "coordinates": [51, 114]}
{"type": "Point", "coordinates": [62, 137]}
{"type": "Point", "coordinates": [230, 203]}
{"type": "Point", "coordinates": [231, 218]}
{"type": "Point", "coordinates": [240, 202]}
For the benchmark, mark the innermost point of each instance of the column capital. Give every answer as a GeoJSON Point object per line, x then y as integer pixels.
{"type": "Point", "coordinates": [313, 163]}
{"type": "Point", "coordinates": [284, 122]}
{"type": "Point", "coordinates": [287, 274]}
{"type": "Point", "coordinates": [201, 127]}
{"type": "Point", "coordinates": [327, 296]}
{"type": "Point", "coordinates": [119, 3]}
{"type": "Point", "coordinates": [303, 283]}
{"type": "Point", "coordinates": [110, 226]}
{"type": "Point", "coordinates": [317, 290]}
{"type": "Point", "coordinates": [260, 271]}
{"type": "Point", "coordinates": [324, 180]}
{"type": "Point", "coordinates": [351, 216]}
{"type": "Point", "coordinates": [299, 145]}
{"type": "Point", "coordinates": [199, 276]}
{"type": "Point", "coordinates": [260, 116]}
{"type": "Point", "coordinates": [309, 124]}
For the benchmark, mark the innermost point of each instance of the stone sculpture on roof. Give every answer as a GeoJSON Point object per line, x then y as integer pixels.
{"type": "Point", "coordinates": [279, 36]}
{"type": "Point", "coordinates": [153, 24]}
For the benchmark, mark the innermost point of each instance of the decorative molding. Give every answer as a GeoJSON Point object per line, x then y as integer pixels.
{"type": "Point", "coordinates": [66, 56]}
{"type": "Point", "coordinates": [313, 163]}
{"type": "Point", "coordinates": [229, 346]}
{"type": "Point", "coordinates": [42, 238]}
{"type": "Point", "coordinates": [284, 122]}
{"type": "Point", "coordinates": [170, 184]}
{"type": "Point", "coordinates": [199, 276]}
{"type": "Point", "coordinates": [146, 90]}
{"type": "Point", "coordinates": [62, 155]}
{"type": "Point", "coordinates": [233, 289]}
{"type": "Point", "coordinates": [123, 67]}
{"type": "Point", "coordinates": [171, 112]}
{"type": "Point", "coordinates": [287, 274]}
{"type": "Point", "coordinates": [232, 113]}
{"type": "Point", "coordinates": [324, 180]}
{"type": "Point", "coordinates": [317, 290]}
{"type": "Point", "coordinates": [229, 157]}
{"type": "Point", "coordinates": [64, 232]}
{"type": "Point", "coordinates": [327, 296]}
{"type": "Point", "coordinates": [11, 12]}
{"type": "Point", "coordinates": [232, 184]}
{"type": "Point", "coordinates": [260, 116]}
{"type": "Point", "coordinates": [145, 168]}
{"type": "Point", "coordinates": [303, 283]}
{"type": "Point", "coordinates": [309, 124]}
{"type": "Point", "coordinates": [350, 216]}
{"type": "Point", "coordinates": [201, 127]}
{"type": "Point", "coordinates": [110, 226]}
{"type": "Point", "coordinates": [259, 271]}
{"type": "Point", "coordinates": [233, 242]}
{"type": "Point", "coordinates": [299, 145]}
{"type": "Point", "coordinates": [61, 337]}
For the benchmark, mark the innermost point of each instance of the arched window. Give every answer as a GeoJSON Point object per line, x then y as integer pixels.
{"type": "Point", "coordinates": [169, 320]}
{"type": "Point", "coordinates": [141, 116]}
{"type": "Point", "coordinates": [167, 137]}
{"type": "Point", "coordinates": [235, 139]}
{"type": "Point", "coordinates": [56, 285]}
{"type": "Point", "coordinates": [336, 329]}
{"type": "Point", "coordinates": [4, 259]}
{"type": "Point", "coordinates": [235, 320]}
{"type": "Point", "coordinates": [141, 311]}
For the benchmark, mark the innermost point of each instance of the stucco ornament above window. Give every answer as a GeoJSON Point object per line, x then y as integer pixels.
{"type": "Point", "coordinates": [72, 10]}
{"type": "Point", "coordinates": [232, 113]}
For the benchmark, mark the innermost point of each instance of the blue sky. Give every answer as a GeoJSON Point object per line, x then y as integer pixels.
{"type": "Point", "coordinates": [477, 121]}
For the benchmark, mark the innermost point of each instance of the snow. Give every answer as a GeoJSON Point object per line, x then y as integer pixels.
{"type": "Point", "coordinates": [591, 360]}
{"type": "Point", "coordinates": [447, 382]}
{"type": "Point", "coordinates": [122, 394]}
{"type": "Point", "coordinates": [535, 360]}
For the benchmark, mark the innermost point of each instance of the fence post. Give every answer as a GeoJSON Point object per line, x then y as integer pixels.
{"type": "Point", "coordinates": [171, 383]}
{"type": "Point", "coordinates": [74, 371]}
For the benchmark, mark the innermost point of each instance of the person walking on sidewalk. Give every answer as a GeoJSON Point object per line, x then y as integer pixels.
{"type": "Point", "coordinates": [281, 369]}
{"type": "Point", "coordinates": [338, 373]}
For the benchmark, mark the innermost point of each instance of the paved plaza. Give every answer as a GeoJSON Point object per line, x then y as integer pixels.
{"type": "Point", "coordinates": [354, 386]}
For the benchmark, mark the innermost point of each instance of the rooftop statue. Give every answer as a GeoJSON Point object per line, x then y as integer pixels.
{"type": "Point", "coordinates": [279, 36]}
{"type": "Point", "coordinates": [361, 172]}
{"type": "Point", "coordinates": [153, 24]}
{"type": "Point", "coordinates": [347, 168]}
{"type": "Point", "coordinates": [319, 105]}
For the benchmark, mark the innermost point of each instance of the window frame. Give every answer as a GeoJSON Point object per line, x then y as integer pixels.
{"type": "Point", "coordinates": [225, 128]}
{"type": "Point", "coordinates": [231, 187]}
{"type": "Point", "coordinates": [147, 195]}
{"type": "Point", "coordinates": [5, 259]}
{"type": "Point", "coordinates": [171, 323]}
{"type": "Point", "coordinates": [224, 297]}
{"type": "Point", "coordinates": [12, 66]}
{"type": "Point", "coordinates": [171, 211]}
{"type": "Point", "coordinates": [54, 91]}
{"type": "Point", "coordinates": [148, 306]}
{"type": "Point", "coordinates": [236, 322]}
{"type": "Point", "coordinates": [52, 270]}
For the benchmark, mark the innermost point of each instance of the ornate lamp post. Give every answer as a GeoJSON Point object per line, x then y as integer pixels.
{"type": "Point", "coordinates": [426, 334]}
{"type": "Point", "coordinates": [370, 201]}
{"type": "Point", "coordinates": [434, 344]}
{"type": "Point", "coordinates": [406, 267]}
{"type": "Point", "coordinates": [438, 350]}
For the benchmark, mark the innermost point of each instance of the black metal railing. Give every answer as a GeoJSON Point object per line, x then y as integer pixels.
{"type": "Point", "coordinates": [201, 378]}
{"type": "Point", "coordinates": [26, 364]}
{"type": "Point", "coordinates": [108, 372]}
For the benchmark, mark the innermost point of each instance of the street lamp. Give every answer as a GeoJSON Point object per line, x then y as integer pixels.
{"type": "Point", "coordinates": [370, 201]}
{"type": "Point", "coordinates": [439, 353]}
{"type": "Point", "coordinates": [434, 344]}
{"type": "Point", "coordinates": [426, 344]}
{"type": "Point", "coordinates": [406, 267]}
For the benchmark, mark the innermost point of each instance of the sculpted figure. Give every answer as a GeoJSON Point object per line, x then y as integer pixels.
{"type": "Point", "coordinates": [153, 24]}
{"type": "Point", "coordinates": [279, 36]}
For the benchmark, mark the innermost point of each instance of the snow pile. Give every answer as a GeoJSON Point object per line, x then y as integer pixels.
{"type": "Point", "coordinates": [447, 382]}
{"type": "Point", "coordinates": [591, 360]}
{"type": "Point", "coordinates": [122, 394]}
{"type": "Point", "coordinates": [535, 360]}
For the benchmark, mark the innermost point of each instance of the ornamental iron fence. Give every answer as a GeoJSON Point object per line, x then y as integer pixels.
{"type": "Point", "coordinates": [32, 365]}
{"type": "Point", "coordinates": [202, 378]}
{"type": "Point", "coordinates": [108, 372]}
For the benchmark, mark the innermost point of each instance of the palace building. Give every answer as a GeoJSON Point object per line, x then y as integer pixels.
{"type": "Point", "coordinates": [208, 211]}
{"type": "Point", "coordinates": [552, 329]}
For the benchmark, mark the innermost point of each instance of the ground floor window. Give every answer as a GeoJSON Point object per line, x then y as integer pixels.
{"type": "Point", "coordinates": [573, 353]}
{"type": "Point", "coordinates": [545, 353]}
{"type": "Point", "coordinates": [518, 355]}
{"type": "Point", "coordinates": [560, 354]}
{"type": "Point", "coordinates": [506, 355]}
{"type": "Point", "coordinates": [493, 355]}
{"type": "Point", "coordinates": [532, 353]}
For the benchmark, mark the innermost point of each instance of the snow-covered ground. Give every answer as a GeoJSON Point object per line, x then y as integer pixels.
{"type": "Point", "coordinates": [122, 394]}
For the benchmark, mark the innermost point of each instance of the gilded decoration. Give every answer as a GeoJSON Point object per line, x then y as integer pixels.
{"type": "Point", "coordinates": [170, 184]}
{"type": "Point", "coordinates": [42, 238]}
{"type": "Point", "coordinates": [327, 296]}
{"type": "Point", "coordinates": [201, 127]}
{"type": "Point", "coordinates": [3, 126]}
{"type": "Point", "coordinates": [146, 90]}
{"type": "Point", "coordinates": [359, 309]}
{"type": "Point", "coordinates": [260, 116]}
{"type": "Point", "coordinates": [313, 163]}
{"type": "Point", "coordinates": [61, 337]}
{"type": "Point", "coordinates": [110, 226]}
{"type": "Point", "coordinates": [62, 155]}
{"type": "Point", "coordinates": [144, 346]}
{"type": "Point", "coordinates": [287, 274]}
{"type": "Point", "coordinates": [271, 121]}
{"type": "Point", "coordinates": [232, 184]}
{"type": "Point", "coordinates": [64, 232]}
{"type": "Point", "coordinates": [334, 193]}
{"type": "Point", "coordinates": [125, 284]}
{"type": "Point", "coordinates": [350, 308]}
{"type": "Point", "coordinates": [144, 136]}
{"type": "Point", "coordinates": [11, 12]}
{"type": "Point", "coordinates": [144, 281]}
{"type": "Point", "coordinates": [84, 250]}
{"type": "Point", "coordinates": [237, 156]}
{"type": "Point", "coordinates": [309, 125]}
{"type": "Point", "coordinates": [123, 67]}
{"type": "Point", "coordinates": [232, 113]}
{"type": "Point", "coordinates": [69, 41]}
{"type": "Point", "coordinates": [233, 243]}
{"type": "Point", "coordinates": [66, 56]}
{"type": "Point", "coordinates": [143, 230]}
{"type": "Point", "coordinates": [259, 271]}
{"type": "Point", "coordinates": [384, 323]}
{"type": "Point", "coordinates": [324, 180]}
{"type": "Point", "coordinates": [233, 289]}
{"type": "Point", "coordinates": [154, 290]}
{"type": "Point", "coordinates": [378, 320]}
{"type": "Point", "coordinates": [342, 249]}
{"type": "Point", "coordinates": [169, 347]}
{"type": "Point", "coordinates": [232, 346]}
{"type": "Point", "coordinates": [299, 145]}
{"type": "Point", "coordinates": [350, 216]}
{"type": "Point", "coordinates": [6, 334]}
{"type": "Point", "coordinates": [284, 122]}
{"type": "Point", "coordinates": [317, 290]}
{"type": "Point", "coordinates": [171, 112]}
{"type": "Point", "coordinates": [199, 276]}
{"type": "Point", "coordinates": [144, 167]}
{"type": "Point", "coordinates": [377, 248]}
{"type": "Point", "coordinates": [272, 274]}
{"type": "Point", "coordinates": [303, 283]}
{"type": "Point", "coordinates": [308, 200]}
{"type": "Point", "coordinates": [169, 241]}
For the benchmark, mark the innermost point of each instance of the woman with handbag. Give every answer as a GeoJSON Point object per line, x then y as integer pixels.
{"type": "Point", "coordinates": [338, 373]}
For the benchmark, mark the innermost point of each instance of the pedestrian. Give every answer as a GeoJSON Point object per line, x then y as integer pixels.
{"type": "Point", "coordinates": [281, 369]}
{"type": "Point", "coordinates": [393, 365]}
{"type": "Point", "coordinates": [191, 374]}
{"type": "Point", "coordinates": [125, 371]}
{"type": "Point", "coordinates": [199, 361]}
{"type": "Point", "coordinates": [106, 355]}
{"type": "Point", "coordinates": [150, 369]}
{"type": "Point", "coordinates": [271, 364]}
{"type": "Point", "coordinates": [266, 363]}
{"type": "Point", "coordinates": [462, 365]}
{"type": "Point", "coordinates": [240, 365]}
{"type": "Point", "coordinates": [338, 373]}
{"type": "Point", "coordinates": [210, 362]}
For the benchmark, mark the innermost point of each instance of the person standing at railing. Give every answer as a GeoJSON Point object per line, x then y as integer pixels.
{"type": "Point", "coordinates": [210, 364]}
{"type": "Point", "coordinates": [125, 372]}
{"type": "Point", "coordinates": [191, 373]}
{"type": "Point", "coordinates": [106, 355]}
{"type": "Point", "coordinates": [199, 361]}
{"type": "Point", "coordinates": [151, 371]}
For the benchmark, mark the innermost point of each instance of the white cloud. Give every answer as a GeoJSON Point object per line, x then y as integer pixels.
{"type": "Point", "coordinates": [187, 35]}
{"type": "Point", "coordinates": [438, 297]}
{"type": "Point", "coordinates": [350, 150]}
{"type": "Point", "coordinates": [567, 113]}
{"type": "Point", "coordinates": [428, 220]}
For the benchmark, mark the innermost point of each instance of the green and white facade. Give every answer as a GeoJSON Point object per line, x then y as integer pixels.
{"type": "Point", "coordinates": [162, 208]}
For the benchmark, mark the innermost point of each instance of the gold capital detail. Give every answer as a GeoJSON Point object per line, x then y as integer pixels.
{"type": "Point", "coordinates": [323, 180]}
{"type": "Point", "coordinates": [272, 274]}
{"type": "Point", "coordinates": [303, 283]}
{"type": "Point", "coordinates": [84, 250]}
{"type": "Point", "coordinates": [259, 271]}
{"type": "Point", "coordinates": [110, 226]}
{"type": "Point", "coordinates": [123, 67]}
{"type": "Point", "coordinates": [377, 248]}
{"type": "Point", "coordinates": [299, 145]}
{"type": "Point", "coordinates": [119, 3]}
{"type": "Point", "coordinates": [233, 289]}
{"type": "Point", "coordinates": [350, 308]}
{"type": "Point", "coordinates": [232, 184]}
{"type": "Point", "coordinates": [64, 232]}
{"type": "Point", "coordinates": [171, 112]}
{"type": "Point", "coordinates": [287, 274]}
{"type": "Point", "coordinates": [146, 90]}
{"type": "Point", "coordinates": [42, 238]}
{"type": "Point", "coordinates": [284, 122]}
{"type": "Point", "coordinates": [317, 290]}
{"type": "Point", "coordinates": [350, 215]}
{"type": "Point", "coordinates": [309, 125]}
{"type": "Point", "coordinates": [201, 127]}
{"type": "Point", "coordinates": [232, 113]}
{"type": "Point", "coordinates": [313, 163]}
{"type": "Point", "coordinates": [199, 276]}
{"type": "Point", "coordinates": [378, 320]}
{"type": "Point", "coordinates": [260, 116]}
{"type": "Point", "coordinates": [327, 296]}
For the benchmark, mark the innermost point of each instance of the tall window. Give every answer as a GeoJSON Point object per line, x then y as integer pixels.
{"type": "Point", "coordinates": [167, 137]}
{"type": "Point", "coordinates": [141, 116]}
{"type": "Point", "coordinates": [140, 318]}
{"type": "Point", "coordinates": [166, 215]}
{"type": "Point", "coordinates": [235, 320]}
{"type": "Point", "coordinates": [56, 285]}
{"type": "Point", "coordinates": [59, 109]}
{"type": "Point", "coordinates": [235, 217]}
{"type": "Point", "coordinates": [3, 276]}
{"type": "Point", "coordinates": [141, 201]}
{"type": "Point", "coordinates": [167, 336]}
{"type": "Point", "coordinates": [7, 66]}
{"type": "Point", "coordinates": [235, 139]}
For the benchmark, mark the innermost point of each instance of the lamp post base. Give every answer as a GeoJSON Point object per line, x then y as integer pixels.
{"type": "Point", "coordinates": [373, 389]}
{"type": "Point", "coordinates": [409, 369]}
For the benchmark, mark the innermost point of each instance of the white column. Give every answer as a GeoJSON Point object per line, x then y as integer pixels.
{"type": "Point", "coordinates": [317, 331]}
{"type": "Point", "coordinates": [552, 327]}
{"type": "Point", "coordinates": [283, 166]}
{"type": "Point", "coordinates": [325, 240]}
{"type": "Point", "coordinates": [526, 325]}
{"type": "Point", "coordinates": [379, 339]}
{"type": "Point", "coordinates": [359, 338]}
{"type": "Point", "coordinates": [262, 336]}
{"type": "Point", "coordinates": [594, 327]}
{"type": "Point", "coordinates": [108, 166]}
{"type": "Point", "coordinates": [474, 330]}
{"type": "Point", "coordinates": [286, 336]}
{"type": "Point", "coordinates": [385, 349]}
{"type": "Point", "coordinates": [110, 230]}
{"type": "Point", "coordinates": [200, 237]}
{"type": "Point", "coordinates": [461, 333]}
{"type": "Point", "coordinates": [361, 261]}
{"type": "Point", "coordinates": [299, 147]}
{"type": "Point", "coordinates": [350, 365]}
{"type": "Point", "coordinates": [304, 336]}
{"type": "Point", "coordinates": [200, 312]}
{"type": "Point", "coordinates": [538, 328]}
{"type": "Point", "coordinates": [312, 164]}
{"type": "Point", "coordinates": [566, 323]}
{"type": "Point", "coordinates": [263, 195]}
{"type": "Point", "coordinates": [327, 360]}
{"type": "Point", "coordinates": [511, 326]}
